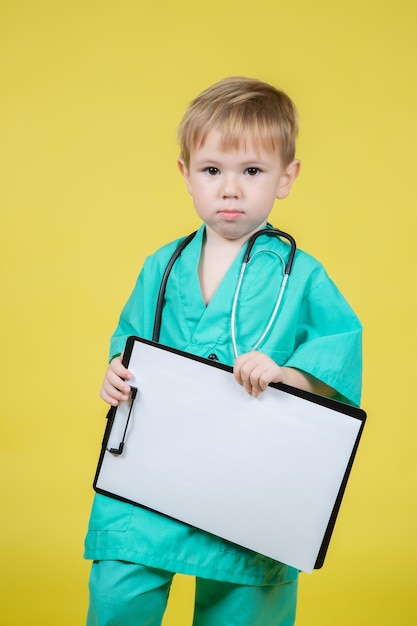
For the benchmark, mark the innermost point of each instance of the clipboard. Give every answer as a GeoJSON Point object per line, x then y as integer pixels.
{"type": "Point", "coordinates": [266, 473]}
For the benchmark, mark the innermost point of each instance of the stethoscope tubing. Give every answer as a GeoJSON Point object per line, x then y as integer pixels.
{"type": "Point", "coordinates": [161, 295]}
{"type": "Point", "coordinates": [271, 232]}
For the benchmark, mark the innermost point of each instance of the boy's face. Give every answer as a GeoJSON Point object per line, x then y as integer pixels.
{"type": "Point", "coordinates": [234, 191]}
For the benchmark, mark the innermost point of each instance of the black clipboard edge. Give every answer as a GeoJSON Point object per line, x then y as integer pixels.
{"type": "Point", "coordinates": [336, 405]}
{"type": "Point", "coordinates": [111, 414]}
{"type": "Point", "coordinates": [332, 520]}
{"type": "Point", "coordinates": [330, 403]}
{"type": "Point", "coordinates": [114, 496]}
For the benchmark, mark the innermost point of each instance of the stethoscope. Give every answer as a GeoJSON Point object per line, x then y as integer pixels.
{"type": "Point", "coordinates": [269, 232]}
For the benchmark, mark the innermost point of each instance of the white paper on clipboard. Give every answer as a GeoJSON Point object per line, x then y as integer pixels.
{"type": "Point", "coordinates": [266, 473]}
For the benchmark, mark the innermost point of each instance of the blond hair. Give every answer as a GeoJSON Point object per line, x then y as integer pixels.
{"type": "Point", "coordinates": [240, 109]}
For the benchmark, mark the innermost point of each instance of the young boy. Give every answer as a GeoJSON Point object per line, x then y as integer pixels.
{"type": "Point", "coordinates": [237, 156]}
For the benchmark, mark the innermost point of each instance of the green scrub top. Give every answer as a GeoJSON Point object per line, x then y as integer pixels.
{"type": "Point", "coordinates": [315, 331]}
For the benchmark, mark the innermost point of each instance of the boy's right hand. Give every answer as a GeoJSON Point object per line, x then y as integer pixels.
{"type": "Point", "coordinates": [115, 388]}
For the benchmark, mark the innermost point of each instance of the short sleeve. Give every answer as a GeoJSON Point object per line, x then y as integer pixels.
{"type": "Point", "coordinates": [329, 341]}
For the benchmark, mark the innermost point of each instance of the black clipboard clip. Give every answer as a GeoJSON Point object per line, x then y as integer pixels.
{"type": "Point", "coordinates": [119, 450]}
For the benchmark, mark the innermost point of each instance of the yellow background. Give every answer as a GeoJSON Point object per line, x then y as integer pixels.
{"type": "Point", "coordinates": [91, 94]}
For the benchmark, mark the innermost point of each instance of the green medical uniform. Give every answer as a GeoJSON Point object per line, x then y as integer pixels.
{"type": "Point", "coordinates": [315, 331]}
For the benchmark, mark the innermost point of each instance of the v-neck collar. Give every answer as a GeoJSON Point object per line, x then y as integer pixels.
{"type": "Point", "coordinates": [192, 280]}
{"type": "Point", "coordinates": [217, 311]}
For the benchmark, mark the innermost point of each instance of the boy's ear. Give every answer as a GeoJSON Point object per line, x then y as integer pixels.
{"type": "Point", "coordinates": [288, 177]}
{"type": "Point", "coordinates": [184, 171]}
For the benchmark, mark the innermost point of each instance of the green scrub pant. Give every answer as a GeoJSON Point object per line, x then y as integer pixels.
{"type": "Point", "coordinates": [126, 594]}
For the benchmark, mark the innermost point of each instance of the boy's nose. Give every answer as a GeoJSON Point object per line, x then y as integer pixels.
{"type": "Point", "coordinates": [230, 188]}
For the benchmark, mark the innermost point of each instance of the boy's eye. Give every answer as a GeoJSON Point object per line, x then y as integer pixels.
{"type": "Point", "coordinates": [252, 171]}
{"type": "Point", "coordinates": [212, 171]}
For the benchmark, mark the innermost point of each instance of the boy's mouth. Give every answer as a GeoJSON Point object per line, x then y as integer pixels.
{"type": "Point", "coordinates": [230, 214]}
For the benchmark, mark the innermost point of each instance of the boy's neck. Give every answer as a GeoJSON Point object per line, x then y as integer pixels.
{"type": "Point", "coordinates": [217, 255]}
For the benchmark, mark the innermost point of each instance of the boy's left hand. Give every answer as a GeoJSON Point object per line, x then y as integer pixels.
{"type": "Point", "coordinates": [255, 370]}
